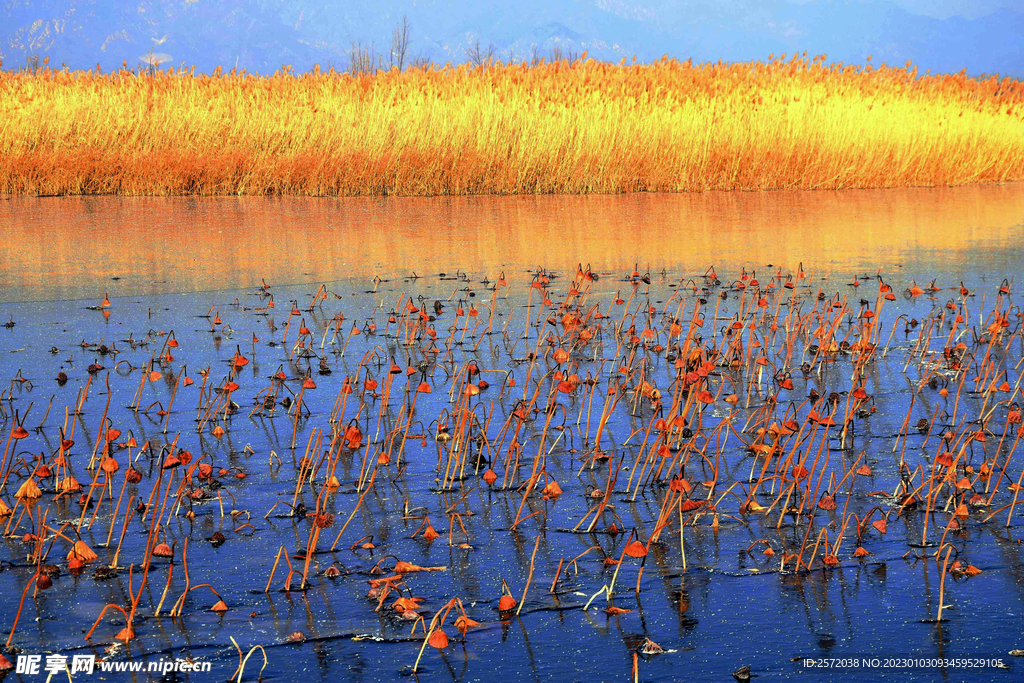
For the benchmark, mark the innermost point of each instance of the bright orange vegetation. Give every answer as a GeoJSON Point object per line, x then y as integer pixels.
{"type": "Point", "coordinates": [561, 127]}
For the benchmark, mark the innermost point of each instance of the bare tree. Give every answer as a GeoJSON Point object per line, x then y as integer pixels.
{"type": "Point", "coordinates": [362, 60]}
{"type": "Point", "coordinates": [400, 44]}
{"type": "Point", "coordinates": [557, 54]}
{"type": "Point", "coordinates": [154, 60]}
{"type": "Point", "coordinates": [478, 56]}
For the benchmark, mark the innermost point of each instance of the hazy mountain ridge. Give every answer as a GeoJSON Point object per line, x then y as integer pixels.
{"type": "Point", "coordinates": [262, 35]}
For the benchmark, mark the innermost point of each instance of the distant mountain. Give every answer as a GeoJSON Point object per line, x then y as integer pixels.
{"type": "Point", "coordinates": [262, 35]}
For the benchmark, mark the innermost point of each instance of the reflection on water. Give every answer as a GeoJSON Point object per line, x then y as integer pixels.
{"type": "Point", "coordinates": [71, 247]}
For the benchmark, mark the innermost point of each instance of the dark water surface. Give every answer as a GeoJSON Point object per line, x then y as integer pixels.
{"type": "Point", "coordinates": [182, 263]}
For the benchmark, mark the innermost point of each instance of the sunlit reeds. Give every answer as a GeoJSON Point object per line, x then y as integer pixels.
{"type": "Point", "coordinates": [576, 127]}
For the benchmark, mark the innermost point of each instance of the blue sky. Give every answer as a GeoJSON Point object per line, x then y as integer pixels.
{"type": "Point", "coordinates": [261, 35]}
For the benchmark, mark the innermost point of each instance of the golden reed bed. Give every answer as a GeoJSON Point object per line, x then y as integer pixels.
{"type": "Point", "coordinates": [561, 127]}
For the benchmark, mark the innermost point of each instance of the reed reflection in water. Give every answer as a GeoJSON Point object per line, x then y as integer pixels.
{"type": "Point", "coordinates": [71, 247]}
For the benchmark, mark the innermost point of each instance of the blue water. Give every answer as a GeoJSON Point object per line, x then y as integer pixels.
{"type": "Point", "coordinates": [727, 609]}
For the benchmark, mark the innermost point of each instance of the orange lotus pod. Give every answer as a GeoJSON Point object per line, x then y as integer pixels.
{"type": "Point", "coordinates": [680, 485]}
{"type": "Point", "coordinates": [69, 485]}
{"type": "Point", "coordinates": [19, 432]}
{"type": "Point", "coordinates": [106, 301]}
{"type": "Point", "coordinates": [507, 603]}
{"type": "Point", "coordinates": [109, 465]}
{"type": "Point", "coordinates": [438, 640]}
{"type": "Point", "coordinates": [560, 355]}
{"type": "Point", "coordinates": [219, 606]}
{"type": "Point", "coordinates": [799, 472]}
{"type": "Point", "coordinates": [471, 390]}
{"type": "Point", "coordinates": [308, 383]}
{"type": "Point", "coordinates": [552, 490]}
{"type": "Point", "coordinates": [218, 431]}
{"type": "Point", "coordinates": [860, 552]}
{"type": "Point", "coordinates": [612, 610]}
{"type": "Point", "coordinates": [28, 491]}
{"type": "Point", "coordinates": [864, 471]}
{"type": "Point", "coordinates": [82, 552]}
{"type": "Point", "coordinates": [490, 476]}
{"type": "Point", "coordinates": [430, 533]}
{"type": "Point", "coordinates": [565, 387]}
{"type": "Point", "coordinates": [155, 376]}
{"type": "Point", "coordinates": [636, 549]}
{"type": "Point", "coordinates": [125, 634]}
{"type": "Point", "coordinates": [405, 604]}
{"type": "Point", "coordinates": [464, 623]}
{"type": "Point", "coordinates": [401, 566]}
{"type": "Point", "coordinates": [881, 525]}
{"type": "Point", "coordinates": [163, 550]}
{"type": "Point", "coordinates": [423, 388]}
